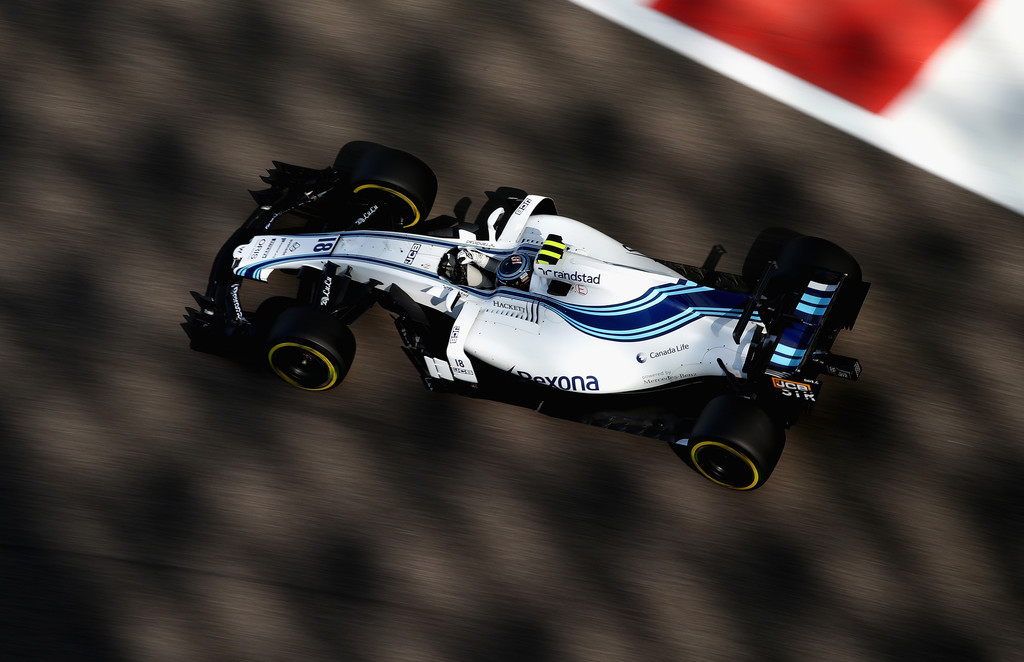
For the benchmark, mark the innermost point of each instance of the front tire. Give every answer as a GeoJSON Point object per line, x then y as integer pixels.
{"type": "Point", "coordinates": [351, 153]}
{"type": "Point", "coordinates": [309, 349]}
{"type": "Point", "coordinates": [735, 444]}
{"type": "Point", "coordinates": [402, 181]}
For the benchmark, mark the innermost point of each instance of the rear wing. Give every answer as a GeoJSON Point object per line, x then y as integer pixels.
{"type": "Point", "coordinates": [800, 327]}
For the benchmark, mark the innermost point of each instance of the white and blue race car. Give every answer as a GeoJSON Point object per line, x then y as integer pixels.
{"type": "Point", "coordinates": [524, 306]}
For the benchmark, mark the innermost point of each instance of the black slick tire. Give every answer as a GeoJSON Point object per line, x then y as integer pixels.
{"type": "Point", "coordinates": [735, 444]}
{"type": "Point", "coordinates": [766, 247]}
{"type": "Point", "coordinates": [399, 175]}
{"type": "Point", "coordinates": [309, 349]}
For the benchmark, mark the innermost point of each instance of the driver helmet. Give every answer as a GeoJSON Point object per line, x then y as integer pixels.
{"type": "Point", "coordinates": [514, 271]}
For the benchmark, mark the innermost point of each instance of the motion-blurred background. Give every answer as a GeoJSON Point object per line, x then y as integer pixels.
{"type": "Point", "coordinates": [160, 504]}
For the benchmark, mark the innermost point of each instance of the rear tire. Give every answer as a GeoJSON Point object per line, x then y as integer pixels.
{"type": "Point", "coordinates": [812, 256]}
{"type": "Point", "coordinates": [735, 444]}
{"type": "Point", "coordinates": [766, 247]}
{"type": "Point", "coordinates": [309, 349]}
{"type": "Point", "coordinates": [807, 259]}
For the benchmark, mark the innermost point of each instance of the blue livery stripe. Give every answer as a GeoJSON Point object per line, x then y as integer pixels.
{"type": "Point", "coordinates": [815, 301]}
{"type": "Point", "coordinates": [789, 351]}
{"type": "Point", "coordinates": [660, 310]}
{"type": "Point", "coordinates": [783, 362]}
{"type": "Point", "coordinates": [812, 310]}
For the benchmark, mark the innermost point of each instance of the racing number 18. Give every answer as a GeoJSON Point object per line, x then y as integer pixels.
{"type": "Point", "coordinates": [323, 245]}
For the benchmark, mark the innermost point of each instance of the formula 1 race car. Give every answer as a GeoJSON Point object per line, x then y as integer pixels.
{"type": "Point", "coordinates": [530, 308]}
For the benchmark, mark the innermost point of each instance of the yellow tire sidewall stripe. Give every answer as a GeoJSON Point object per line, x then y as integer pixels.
{"type": "Point", "coordinates": [731, 450]}
{"type": "Point", "coordinates": [332, 374]}
{"type": "Point", "coordinates": [405, 198]}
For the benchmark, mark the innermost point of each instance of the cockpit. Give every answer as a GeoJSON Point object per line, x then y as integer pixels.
{"type": "Point", "coordinates": [474, 268]}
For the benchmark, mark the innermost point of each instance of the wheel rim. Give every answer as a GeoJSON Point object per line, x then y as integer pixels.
{"type": "Point", "coordinates": [724, 465]}
{"type": "Point", "coordinates": [303, 366]}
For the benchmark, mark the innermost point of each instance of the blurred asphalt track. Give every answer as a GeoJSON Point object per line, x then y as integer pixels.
{"type": "Point", "coordinates": [159, 504]}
